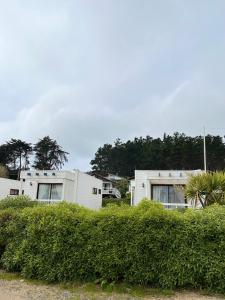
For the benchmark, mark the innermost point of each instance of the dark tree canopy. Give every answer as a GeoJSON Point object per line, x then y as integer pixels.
{"type": "Point", "coordinates": [176, 151]}
{"type": "Point", "coordinates": [49, 155]}
{"type": "Point", "coordinates": [19, 152]}
{"type": "Point", "coordinates": [14, 155]}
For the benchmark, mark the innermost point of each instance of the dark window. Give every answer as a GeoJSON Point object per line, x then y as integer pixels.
{"type": "Point", "coordinates": [24, 180]}
{"type": "Point", "coordinates": [14, 192]}
{"type": "Point", "coordinates": [106, 185]}
{"type": "Point", "coordinates": [49, 191]}
{"type": "Point", "coordinates": [94, 191]}
{"type": "Point", "coordinates": [22, 192]}
{"type": "Point", "coordinates": [99, 191]}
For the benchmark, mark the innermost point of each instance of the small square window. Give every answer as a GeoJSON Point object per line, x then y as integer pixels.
{"type": "Point", "coordinates": [14, 192]}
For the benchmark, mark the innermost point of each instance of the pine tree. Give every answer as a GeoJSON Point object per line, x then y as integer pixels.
{"type": "Point", "coordinates": [49, 155]}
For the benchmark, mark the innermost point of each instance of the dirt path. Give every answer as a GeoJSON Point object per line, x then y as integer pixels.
{"type": "Point", "coordinates": [21, 290]}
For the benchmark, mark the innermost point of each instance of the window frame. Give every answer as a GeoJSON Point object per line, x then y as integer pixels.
{"type": "Point", "coordinates": [50, 191]}
{"type": "Point", "coordinates": [94, 191]}
{"type": "Point", "coordinates": [168, 185]}
{"type": "Point", "coordinates": [14, 192]}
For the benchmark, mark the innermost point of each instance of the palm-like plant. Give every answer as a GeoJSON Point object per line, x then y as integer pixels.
{"type": "Point", "coordinates": [208, 188]}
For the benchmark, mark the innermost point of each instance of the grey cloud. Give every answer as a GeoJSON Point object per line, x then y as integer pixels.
{"type": "Point", "coordinates": [87, 72]}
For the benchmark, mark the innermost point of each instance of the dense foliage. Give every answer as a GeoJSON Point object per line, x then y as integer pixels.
{"type": "Point", "coordinates": [49, 155]}
{"type": "Point", "coordinates": [3, 172]}
{"type": "Point", "coordinates": [207, 188]}
{"type": "Point", "coordinates": [15, 155]}
{"type": "Point", "coordinates": [178, 151]}
{"type": "Point", "coordinates": [145, 244]}
{"type": "Point", "coordinates": [123, 186]}
{"type": "Point", "coordinates": [121, 201]}
{"type": "Point", "coordinates": [17, 202]}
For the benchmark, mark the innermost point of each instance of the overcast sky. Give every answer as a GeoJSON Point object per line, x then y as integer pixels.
{"type": "Point", "coordinates": [88, 71]}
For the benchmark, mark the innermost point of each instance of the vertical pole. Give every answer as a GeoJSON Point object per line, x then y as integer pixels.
{"type": "Point", "coordinates": [205, 168]}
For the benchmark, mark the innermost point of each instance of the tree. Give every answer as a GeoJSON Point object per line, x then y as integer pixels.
{"type": "Point", "coordinates": [3, 172]}
{"type": "Point", "coordinates": [49, 155]}
{"type": "Point", "coordinates": [14, 155]}
{"type": "Point", "coordinates": [102, 163]}
{"type": "Point", "coordinates": [172, 152]}
{"type": "Point", "coordinates": [207, 188]}
{"type": "Point", "coordinates": [19, 152]}
{"type": "Point", "coordinates": [122, 185]}
{"type": "Point", "coordinates": [4, 155]}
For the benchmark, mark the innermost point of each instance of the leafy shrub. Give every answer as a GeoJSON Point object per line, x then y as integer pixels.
{"type": "Point", "coordinates": [146, 244]}
{"type": "Point", "coordinates": [208, 188]}
{"type": "Point", "coordinates": [6, 216]}
{"type": "Point", "coordinates": [17, 202]}
{"type": "Point", "coordinates": [116, 201]}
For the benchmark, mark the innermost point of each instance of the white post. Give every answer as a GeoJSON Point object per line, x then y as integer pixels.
{"type": "Point", "coordinates": [205, 168]}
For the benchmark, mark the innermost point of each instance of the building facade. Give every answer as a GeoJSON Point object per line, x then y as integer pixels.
{"type": "Point", "coordinates": [164, 186]}
{"type": "Point", "coordinates": [54, 186]}
{"type": "Point", "coordinates": [109, 189]}
{"type": "Point", "coordinates": [9, 187]}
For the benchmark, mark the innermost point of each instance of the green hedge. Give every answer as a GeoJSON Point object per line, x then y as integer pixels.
{"type": "Point", "coordinates": [115, 201]}
{"type": "Point", "coordinates": [18, 202]}
{"type": "Point", "coordinates": [146, 244]}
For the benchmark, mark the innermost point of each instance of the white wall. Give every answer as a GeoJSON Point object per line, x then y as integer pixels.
{"type": "Point", "coordinates": [6, 185]}
{"type": "Point", "coordinates": [84, 191]}
{"type": "Point", "coordinates": [77, 186]}
{"type": "Point", "coordinates": [29, 184]}
{"type": "Point", "coordinates": [145, 178]}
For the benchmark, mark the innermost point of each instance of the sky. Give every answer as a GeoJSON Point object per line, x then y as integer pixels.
{"type": "Point", "coordinates": [87, 72]}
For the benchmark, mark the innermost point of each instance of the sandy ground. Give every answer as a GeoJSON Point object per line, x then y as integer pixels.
{"type": "Point", "coordinates": [21, 290]}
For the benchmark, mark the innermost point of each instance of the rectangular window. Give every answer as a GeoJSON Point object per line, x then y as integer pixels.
{"type": "Point", "coordinates": [94, 191]}
{"type": "Point", "coordinates": [168, 194]}
{"type": "Point", "coordinates": [14, 192]}
{"type": "Point", "coordinates": [99, 191]}
{"type": "Point", "coordinates": [106, 186]}
{"type": "Point", "coordinates": [49, 191]}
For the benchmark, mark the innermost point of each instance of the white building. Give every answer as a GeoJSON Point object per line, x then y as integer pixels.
{"type": "Point", "coordinates": [113, 177]}
{"type": "Point", "coordinates": [108, 185]}
{"type": "Point", "coordinates": [9, 187]}
{"type": "Point", "coordinates": [163, 186]}
{"type": "Point", "coordinates": [55, 186]}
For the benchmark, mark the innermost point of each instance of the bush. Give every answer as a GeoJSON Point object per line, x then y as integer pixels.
{"type": "Point", "coordinates": [17, 202]}
{"type": "Point", "coordinates": [116, 201]}
{"type": "Point", "coordinates": [146, 244]}
{"type": "Point", "coordinates": [208, 188]}
{"type": "Point", "coordinates": [6, 216]}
